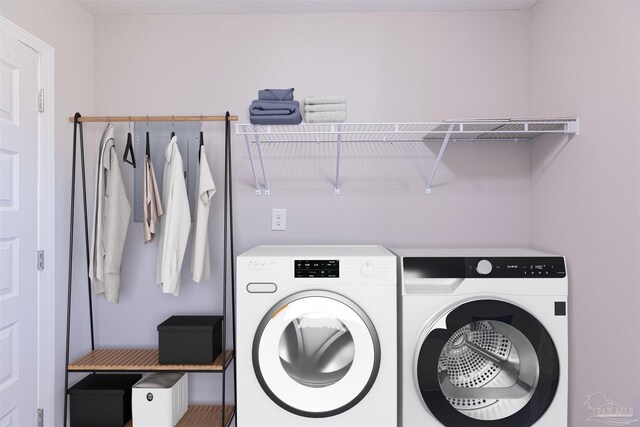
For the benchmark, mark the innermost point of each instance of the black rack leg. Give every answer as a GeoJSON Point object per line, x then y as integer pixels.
{"type": "Point", "coordinates": [86, 234]}
{"type": "Point", "coordinates": [224, 377]}
{"type": "Point", "coordinates": [71, 219]}
{"type": "Point", "coordinates": [228, 231]}
{"type": "Point", "coordinates": [231, 252]}
{"type": "Point", "coordinates": [224, 280]}
{"type": "Point", "coordinates": [77, 126]}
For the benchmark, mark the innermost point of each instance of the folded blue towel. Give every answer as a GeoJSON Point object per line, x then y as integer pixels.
{"type": "Point", "coordinates": [273, 108]}
{"type": "Point", "coordinates": [276, 94]}
{"type": "Point", "coordinates": [290, 119]}
{"type": "Point", "coordinates": [263, 112]}
{"type": "Point", "coordinates": [274, 105]}
{"type": "Point", "coordinates": [281, 112]}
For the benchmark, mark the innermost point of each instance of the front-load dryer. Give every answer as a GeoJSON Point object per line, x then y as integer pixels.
{"type": "Point", "coordinates": [316, 336]}
{"type": "Point", "coordinates": [484, 338]}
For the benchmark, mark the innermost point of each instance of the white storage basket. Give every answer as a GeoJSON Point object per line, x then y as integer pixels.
{"type": "Point", "coordinates": [159, 400]}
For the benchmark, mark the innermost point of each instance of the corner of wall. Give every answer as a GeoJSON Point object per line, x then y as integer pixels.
{"type": "Point", "coordinates": [529, 111]}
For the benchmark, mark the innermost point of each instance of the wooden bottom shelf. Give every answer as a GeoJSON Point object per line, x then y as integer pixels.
{"type": "Point", "coordinates": [139, 360]}
{"type": "Point", "coordinates": [204, 415]}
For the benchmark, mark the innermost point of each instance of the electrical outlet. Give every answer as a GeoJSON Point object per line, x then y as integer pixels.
{"type": "Point", "coordinates": [278, 219]}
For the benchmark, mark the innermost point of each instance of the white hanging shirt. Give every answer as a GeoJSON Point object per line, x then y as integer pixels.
{"type": "Point", "coordinates": [205, 189]}
{"type": "Point", "coordinates": [176, 222]}
{"type": "Point", "coordinates": [111, 215]}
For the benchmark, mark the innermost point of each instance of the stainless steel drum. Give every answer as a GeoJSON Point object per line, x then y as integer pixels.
{"type": "Point", "coordinates": [316, 350]}
{"type": "Point", "coordinates": [488, 370]}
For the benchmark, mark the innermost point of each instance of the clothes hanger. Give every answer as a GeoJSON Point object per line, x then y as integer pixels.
{"type": "Point", "coordinates": [129, 148]}
{"type": "Point", "coordinates": [173, 126]}
{"type": "Point", "coordinates": [147, 149]}
{"type": "Point", "coordinates": [201, 140]}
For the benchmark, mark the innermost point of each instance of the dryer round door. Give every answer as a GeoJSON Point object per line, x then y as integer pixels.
{"type": "Point", "coordinates": [316, 354]}
{"type": "Point", "coordinates": [487, 362]}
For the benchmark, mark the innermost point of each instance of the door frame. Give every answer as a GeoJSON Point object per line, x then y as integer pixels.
{"type": "Point", "coordinates": [46, 222]}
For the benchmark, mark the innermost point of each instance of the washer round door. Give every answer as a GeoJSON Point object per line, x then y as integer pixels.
{"type": "Point", "coordinates": [316, 354]}
{"type": "Point", "coordinates": [492, 363]}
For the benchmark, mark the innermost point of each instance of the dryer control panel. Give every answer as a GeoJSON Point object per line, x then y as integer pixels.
{"type": "Point", "coordinates": [490, 267]}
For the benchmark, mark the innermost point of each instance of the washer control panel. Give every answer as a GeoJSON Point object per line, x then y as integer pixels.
{"type": "Point", "coordinates": [492, 267]}
{"type": "Point", "coordinates": [316, 268]}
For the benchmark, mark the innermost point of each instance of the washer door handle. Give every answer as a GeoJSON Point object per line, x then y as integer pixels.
{"type": "Point", "coordinates": [261, 288]}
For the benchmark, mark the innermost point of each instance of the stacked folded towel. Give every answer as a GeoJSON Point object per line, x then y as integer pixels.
{"type": "Point", "coordinates": [325, 109]}
{"type": "Point", "coordinates": [275, 107]}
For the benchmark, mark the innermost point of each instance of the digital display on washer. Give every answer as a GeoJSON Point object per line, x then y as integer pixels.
{"type": "Point", "coordinates": [316, 268]}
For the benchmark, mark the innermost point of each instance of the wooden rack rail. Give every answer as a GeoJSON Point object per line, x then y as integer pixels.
{"type": "Point", "coordinates": [126, 119]}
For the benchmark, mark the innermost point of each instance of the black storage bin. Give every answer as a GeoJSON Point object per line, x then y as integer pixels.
{"type": "Point", "coordinates": [190, 340]}
{"type": "Point", "coordinates": [102, 400]}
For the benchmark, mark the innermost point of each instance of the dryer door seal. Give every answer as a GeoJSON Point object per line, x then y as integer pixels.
{"type": "Point", "coordinates": [316, 354]}
{"type": "Point", "coordinates": [493, 364]}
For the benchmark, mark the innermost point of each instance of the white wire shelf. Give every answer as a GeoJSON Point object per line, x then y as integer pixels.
{"type": "Point", "coordinates": [423, 132]}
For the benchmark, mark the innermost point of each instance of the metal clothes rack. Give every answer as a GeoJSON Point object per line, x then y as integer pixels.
{"type": "Point", "coordinates": [138, 360]}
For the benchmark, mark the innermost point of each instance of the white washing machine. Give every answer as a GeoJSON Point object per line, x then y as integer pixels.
{"type": "Point", "coordinates": [316, 336]}
{"type": "Point", "coordinates": [484, 338]}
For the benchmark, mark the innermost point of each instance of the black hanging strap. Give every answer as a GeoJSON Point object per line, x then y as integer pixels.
{"type": "Point", "coordinates": [201, 145]}
{"type": "Point", "coordinates": [129, 150]}
{"type": "Point", "coordinates": [147, 149]}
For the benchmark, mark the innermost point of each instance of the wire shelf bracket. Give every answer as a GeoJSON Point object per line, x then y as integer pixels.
{"type": "Point", "coordinates": [439, 158]}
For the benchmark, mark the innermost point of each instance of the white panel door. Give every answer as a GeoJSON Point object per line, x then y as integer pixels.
{"type": "Point", "coordinates": [18, 233]}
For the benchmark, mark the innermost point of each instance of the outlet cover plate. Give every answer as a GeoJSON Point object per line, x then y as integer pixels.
{"type": "Point", "coordinates": [278, 219]}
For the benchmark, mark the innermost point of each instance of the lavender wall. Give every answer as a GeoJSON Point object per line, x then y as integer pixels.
{"type": "Point", "coordinates": [580, 197]}
{"type": "Point", "coordinates": [585, 194]}
{"type": "Point", "coordinates": [391, 67]}
{"type": "Point", "coordinates": [68, 28]}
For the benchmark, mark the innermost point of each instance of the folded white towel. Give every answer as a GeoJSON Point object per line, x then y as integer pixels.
{"type": "Point", "coordinates": [325, 100]}
{"type": "Point", "coordinates": [324, 107]}
{"type": "Point", "coordinates": [325, 117]}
